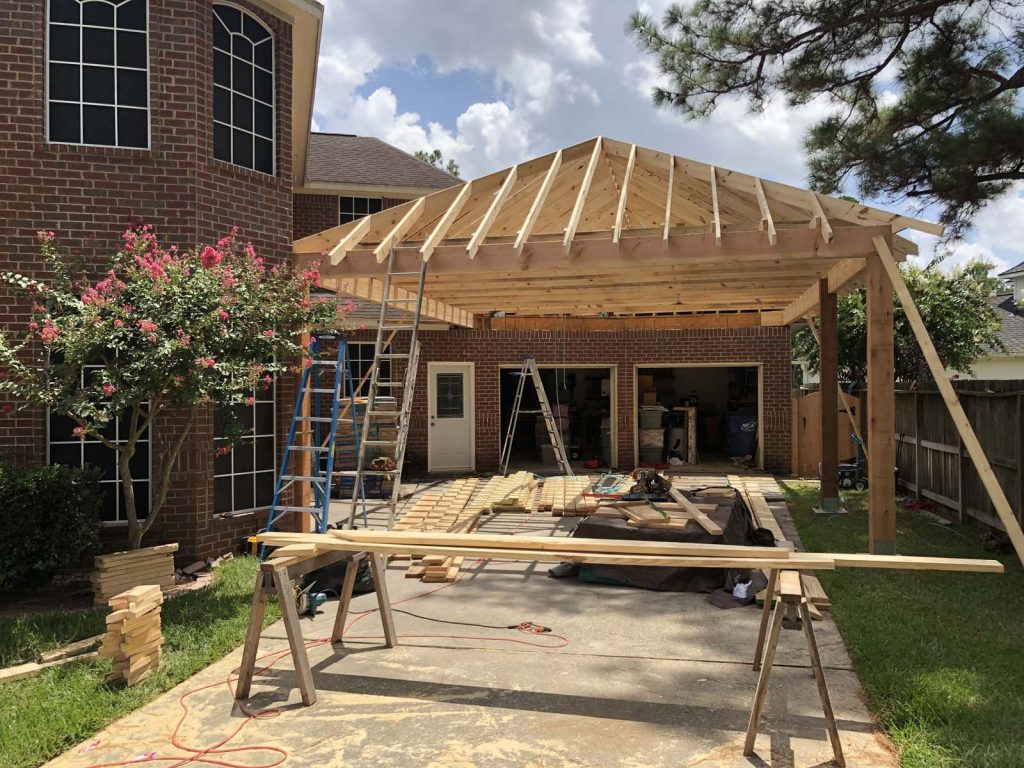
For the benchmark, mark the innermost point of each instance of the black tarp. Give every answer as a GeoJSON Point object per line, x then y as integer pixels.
{"type": "Point", "coordinates": [737, 528]}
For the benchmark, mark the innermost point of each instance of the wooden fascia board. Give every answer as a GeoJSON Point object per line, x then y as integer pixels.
{"type": "Point", "coordinates": [697, 247]}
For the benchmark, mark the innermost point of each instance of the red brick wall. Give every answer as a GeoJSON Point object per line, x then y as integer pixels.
{"type": "Point", "coordinates": [769, 347]}
{"type": "Point", "coordinates": [315, 213]}
{"type": "Point", "coordinates": [89, 195]}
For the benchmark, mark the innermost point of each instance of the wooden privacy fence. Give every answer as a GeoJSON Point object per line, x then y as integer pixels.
{"type": "Point", "coordinates": [806, 432]}
{"type": "Point", "coordinates": [931, 458]}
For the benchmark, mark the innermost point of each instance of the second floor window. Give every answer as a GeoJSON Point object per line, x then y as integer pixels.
{"type": "Point", "coordinates": [243, 90]}
{"type": "Point", "coordinates": [98, 73]}
{"type": "Point", "coordinates": [352, 208]}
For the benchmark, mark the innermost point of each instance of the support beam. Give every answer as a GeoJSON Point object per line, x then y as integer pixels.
{"type": "Point", "coordinates": [767, 222]}
{"type": "Point", "coordinates": [881, 411]}
{"type": "Point", "coordinates": [956, 411]}
{"type": "Point", "coordinates": [620, 210]}
{"type": "Point", "coordinates": [668, 197]}
{"type": "Point", "coordinates": [371, 289]}
{"type": "Point", "coordinates": [828, 356]}
{"type": "Point", "coordinates": [400, 230]}
{"type": "Point", "coordinates": [581, 197]}
{"type": "Point", "coordinates": [716, 220]}
{"type": "Point", "coordinates": [480, 234]}
{"type": "Point", "coordinates": [349, 241]}
{"type": "Point", "coordinates": [839, 390]}
{"type": "Point", "coordinates": [538, 204]}
{"type": "Point", "coordinates": [841, 274]}
{"type": "Point", "coordinates": [446, 221]}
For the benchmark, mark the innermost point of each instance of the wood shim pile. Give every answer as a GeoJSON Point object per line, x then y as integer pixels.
{"type": "Point", "coordinates": [121, 571]}
{"type": "Point", "coordinates": [564, 496]}
{"type": "Point", "coordinates": [134, 638]}
{"type": "Point", "coordinates": [457, 509]}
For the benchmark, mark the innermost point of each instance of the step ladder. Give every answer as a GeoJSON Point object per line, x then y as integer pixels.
{"type": "Point", "coordinates": [396, 315]}
{"type": "Point", "coordinates": [554, 433]}
{"type": "Point", "coordinates": [324, 384]}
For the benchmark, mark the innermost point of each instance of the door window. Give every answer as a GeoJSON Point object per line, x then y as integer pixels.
{"type": "Point", "coordinates": [450, 396]}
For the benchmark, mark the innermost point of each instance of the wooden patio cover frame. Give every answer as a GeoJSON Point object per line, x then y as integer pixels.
{"type": "Point", "coordinates": [606, 228]}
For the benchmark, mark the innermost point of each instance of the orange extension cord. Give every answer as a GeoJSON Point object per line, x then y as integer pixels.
{"type": "Point", "coordinates": [213, 754]}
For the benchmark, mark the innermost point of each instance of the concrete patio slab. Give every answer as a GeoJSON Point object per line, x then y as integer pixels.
{"type": "Point", "coordinates": [646, 679]}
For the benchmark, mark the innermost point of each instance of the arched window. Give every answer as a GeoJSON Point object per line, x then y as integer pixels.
{"type": "Point", "coordinates": [243, 90]}
{"type": "Point", "coordinates": [97, 72]}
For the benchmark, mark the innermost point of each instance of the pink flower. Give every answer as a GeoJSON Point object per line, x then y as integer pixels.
{"type": "Point", "coordinates": [350, 307]}
{"type": "Point", "coordinates": [78, 432]}
{"type": "Point", "coordinates": [223, 315]}
{"type": "Point", "coordinates": [118, 322]}
{"type": "Point", "coordinates": [268, 333]}
{"type": "Point", "coordinates": [205, 362]}
{"type": "Point", "coordinates": [33, 326]}
{"type": "Point", "coordinates": [45, 236]}
{"type": "Point", "coordinates": [250, 400]}
{"type": "Point", "coordinates": [224, 450]}
{"type": "Point", "coordinates": [210, 257]}
{"type": "Point", "coordinates": [6, 408]}
{"type": "Point", "coordinates": [152, 338]}
{"type": "Point", "coordinates": [108, 390]}
{"type": "Point", "coordinates": [312, 276]}
{"type": "Point", "coordinates": [49, 333]}
{"type": "Point", "coordinates": [250, 251]}
{"type": "Point", "coordinates": [147, 326]}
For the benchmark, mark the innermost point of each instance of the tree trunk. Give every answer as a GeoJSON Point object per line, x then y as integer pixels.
{"type": "Point", "coordinates": [161, 483]}
{"type": "Point", "coordinates": [124, 457]}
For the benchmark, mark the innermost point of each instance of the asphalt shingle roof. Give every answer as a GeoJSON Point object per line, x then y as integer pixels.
{"type": "Point", "coordinates": [1013, 270]}
{"type": "Point", "coordinates": [345, 159]}
{"type": "Point", "coordinates": [1012, 332]}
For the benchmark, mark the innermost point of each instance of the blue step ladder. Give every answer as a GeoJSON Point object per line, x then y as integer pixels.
{"type": "Point", "coordinates": [325, 383]}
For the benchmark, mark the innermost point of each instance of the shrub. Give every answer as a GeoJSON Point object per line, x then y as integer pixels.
{"type": "Point", "coordinates": [49, 519]}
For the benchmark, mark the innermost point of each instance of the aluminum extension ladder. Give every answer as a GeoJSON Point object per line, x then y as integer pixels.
{"type": "Point", "coordinates": [324, 384]}
{"type": "Point", "coordinates": [554, 433]}
{"type": "Point", "coordinates": [396, 314]}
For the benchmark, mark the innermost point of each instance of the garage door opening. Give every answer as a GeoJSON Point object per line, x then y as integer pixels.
{"type": "Point", "coordinates": [699, 415]}
{"type": "Point", "coordinates": [581, 400]}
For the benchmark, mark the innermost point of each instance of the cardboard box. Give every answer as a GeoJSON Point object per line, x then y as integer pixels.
{"type": "Point", "coordinates": [648, 398]}
{"type": "Point", "coordinates": [645, 381]}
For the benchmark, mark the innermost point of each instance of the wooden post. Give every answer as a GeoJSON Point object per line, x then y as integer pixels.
{"type": "Point", "coordinates": [829, 374]}
{"type": "Point", "coordinates": [1020, 453]}
{"type": "Point", "coordinates": [956, 411]}
{"type": "Point", "coordinates": [881, 411]}
{"type": "Point", "coordinates": [918, 452]}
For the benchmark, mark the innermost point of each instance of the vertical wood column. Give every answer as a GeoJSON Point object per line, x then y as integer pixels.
{"type": "Point", "coordinates": [881, 388]}
{"type": "Point", "coordinates": [829, 388]}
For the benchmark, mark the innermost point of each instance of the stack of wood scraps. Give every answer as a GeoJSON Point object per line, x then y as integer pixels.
{"type": "Point", "coordinates": [566, 496]}
{"type": "Point", "coordinates": [134, 638]}
{"type": "Point", "coordinates": [120, 571]}
{"type": "Point", "coordinates": [82, 650]}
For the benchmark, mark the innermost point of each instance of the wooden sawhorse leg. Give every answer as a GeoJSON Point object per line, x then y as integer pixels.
{"type": "Point", "coordinates": [790, 593]}
{"type": "Point", "coordinates": [766, 609]}
{"type": "Point", "coordinates": [275, 577]}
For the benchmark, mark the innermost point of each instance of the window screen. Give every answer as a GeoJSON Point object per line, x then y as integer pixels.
{"type": "Point", "coordinates": [243, 90]}
{"type": "Point", "coordinates": [98, 73]}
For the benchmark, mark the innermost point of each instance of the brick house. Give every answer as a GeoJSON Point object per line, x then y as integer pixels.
{"type": "Point", "coordinates": [192, 115]}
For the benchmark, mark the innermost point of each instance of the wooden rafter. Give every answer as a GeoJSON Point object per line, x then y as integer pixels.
{"type": "Point", "coordinates": [370, 289]}
{"type": "Point", "coordinates": [668, 196]}
{"type": "Point", "coordinates": [620, 210]}
{"type": "Point", "coordinates": [538, 203]}
{"type": "Point", "coordinates": [820, 220]}
{"type": "Point", "coordinates": [767, 222]}
{"type": "Point", "coordinates": [480, 234]}
{"type": "Point", "coordinates": [340, 251]}
{"type": "Point", "coordinates": [716, 216]}
{"type": "Point", "coordinates": [399, 230]}
{"type": "Point", "coordinates": [446, 221]}
{"type": "Point", "coordinates": [581, 197]}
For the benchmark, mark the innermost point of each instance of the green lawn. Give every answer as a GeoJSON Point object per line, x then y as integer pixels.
{"type": "Point", "coordinates": [42, 716]}
{"type": "Point", "coordinates": [940, 655]}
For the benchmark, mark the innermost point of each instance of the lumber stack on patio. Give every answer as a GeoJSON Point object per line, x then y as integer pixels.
{"type": "Point", "coordinates": [134, 637]}
{"type": "Point", "coordinates": [121, 571]}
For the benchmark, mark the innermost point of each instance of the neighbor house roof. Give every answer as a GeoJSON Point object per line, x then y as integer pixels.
{"type": "Point", "coordinates": [1012, 319]}
{"type": "Point", "coordinates": [606, 226]}
{"type": "Point", "coordinates": [1013, 271]}
{"type": "Point", "coordinates": [369, 165]}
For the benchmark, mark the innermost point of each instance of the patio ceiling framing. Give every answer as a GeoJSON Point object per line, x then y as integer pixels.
{"type": "Point", "coordinates": [609, 227]}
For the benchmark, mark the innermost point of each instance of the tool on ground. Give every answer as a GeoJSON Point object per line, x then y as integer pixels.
{"type": "Point", "coordinates": [554, 432]}
{"type": "Point", "coordinates": [649, 486]}
{"type": "Point", "coordinates": [324, 383]}
{"type": "Point", "coordinates": [307, 601]}
{"type": "Point", "coordinates": [853, 473]}
{"type": "Point", "coordinates": [398, 312]}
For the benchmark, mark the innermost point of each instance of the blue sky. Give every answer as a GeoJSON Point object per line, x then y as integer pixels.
{"type": "Point", "coordinates": [494, 83]}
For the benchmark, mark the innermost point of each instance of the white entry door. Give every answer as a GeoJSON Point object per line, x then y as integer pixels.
{"type": "Point", "coordinates": [450, 438]}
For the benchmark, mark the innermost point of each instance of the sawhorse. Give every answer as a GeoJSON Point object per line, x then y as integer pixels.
{"type": "Point", "coordinates": [785, 590]}
{"type": "Point", "coordinates": [275, 578]}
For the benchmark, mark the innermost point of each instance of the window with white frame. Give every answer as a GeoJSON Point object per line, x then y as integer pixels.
{"type": "Point", "coordinates": [361, 358]}
{"type": "Point", "coordinates": [352, 208]}
{"type": "Point", "coordinates": [245, 465]}
{"type": "Point", "coordinates": [64, 448]}
{"type": "Point", "coordinates": [98, 72]}
{"type": "Point", "coordinates": [243, 90]}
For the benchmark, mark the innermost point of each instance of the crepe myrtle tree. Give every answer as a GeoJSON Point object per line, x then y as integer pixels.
{"type": "Point", "coordinates": [161, 331]}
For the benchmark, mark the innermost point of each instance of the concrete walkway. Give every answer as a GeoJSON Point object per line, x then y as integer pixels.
{"type": "Point", "coordinates": [647, 679]}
